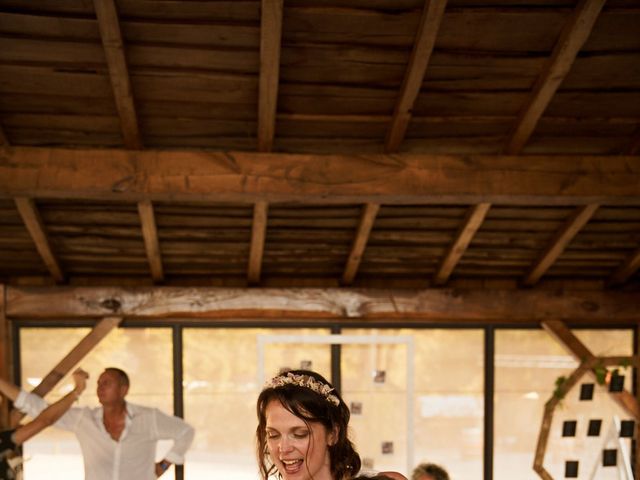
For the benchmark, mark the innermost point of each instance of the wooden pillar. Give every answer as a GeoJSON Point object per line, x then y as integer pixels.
{"type": "Point", "coordinates": [636, 442]}
{"type": "Point", "coordinates": [5, 357]}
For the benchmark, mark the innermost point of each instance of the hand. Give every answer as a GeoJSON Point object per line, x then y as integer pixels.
{"type": "Point", "coordinates": [80, 379]}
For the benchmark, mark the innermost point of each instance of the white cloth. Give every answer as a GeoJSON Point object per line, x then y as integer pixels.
{"type": "Point", "coordinates": [130, 458]}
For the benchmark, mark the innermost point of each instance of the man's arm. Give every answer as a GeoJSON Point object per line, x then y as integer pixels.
{"type": "Point", "coordinates": [176, 429]}
{"type": "Point", "coordinates": [53, 412]}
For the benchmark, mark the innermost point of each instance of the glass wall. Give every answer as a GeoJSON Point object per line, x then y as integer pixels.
{"type": "Point", "coordinates": [220, 391]}
{"type": "Point", "coordinates": [421, 397]}
{"type": "Point", "coordinates": [144, 353]}
{"type": "Point", "coordinates": [527, 364]}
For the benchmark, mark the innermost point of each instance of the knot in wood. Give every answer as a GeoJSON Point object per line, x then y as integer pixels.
{"type": "Point", "coordinates": [111, 304]}
{"type": "Point", "coordinates": [590, 306]}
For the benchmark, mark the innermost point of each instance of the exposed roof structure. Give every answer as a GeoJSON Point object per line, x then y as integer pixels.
{"type": "Point", "coordinates": [320, 143]}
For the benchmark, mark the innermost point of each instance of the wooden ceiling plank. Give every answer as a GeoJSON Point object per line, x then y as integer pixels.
{"type": "Point", "coordinates": [573, 36]}
{"type": "Point", "coordinates": [4, 140]}
{"type": "Point", "coordinates": [626, 270]}
{"type": "Point", "coordinates": [258, 235]}
{"type": "Point", "coordinates": [118, 72]}
{"type": "Point", "coordinates": [560, 241]}
{"type": "Point", "coordinates": [270, 44]}
{"type": "Point", "coordinates": [330, 179]}
{"type": "Point", "coordinates": [409, 305]}
{"type": "Point", "coordinates": [34, 224]}
{"type": "Point", "coordinates": [367, 219]}
{"type": "Point", "coordinates": [472, 223]}
{"type": "Point", "coordinates": [432, 15]}
{"type": "Point", "coordinates": [151, 242]}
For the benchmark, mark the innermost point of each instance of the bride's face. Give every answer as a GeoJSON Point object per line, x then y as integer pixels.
{"type": "Point", "coordinates": [299, 450]}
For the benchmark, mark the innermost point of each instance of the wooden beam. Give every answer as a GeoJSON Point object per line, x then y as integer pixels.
{"type": "Point", "coordinates": [338, 179]}
{"type": "Point", "coordinates": [626, 270]}
{"type": "Point", "coordinates": [118, 71]}
{"type": "Point", "coordinates": [270, 39]}
{"type": "Point", "coordinates": [258, 234]}
{"type": "Point", "coordinates": [341, 304]}
{"type": "Point", "coordinates": [99, 331]}
{"type": "Point", "coordinates": [432, 15]}
{"type": "Point", "coordinates": [573, 36]}
{"type": "Point", "coordinates": [32, 220]}
{"type": "Point", "coordinates": [472, 223]}
{"type": "Point", "coordinates": [634, 147]}
{"type": "Point", "coordinates": [367, 218]}
{"type": "Point", "coordinates": [150, 235]}
{"type": "Point", "coordinates": [559, 242]}
{"type": "Point", "coordinates": [4, 140]}
{"type": "Point", "coordinates": [559, 331]}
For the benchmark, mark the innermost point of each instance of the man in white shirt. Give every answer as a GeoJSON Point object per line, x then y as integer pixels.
{"type": "Point", "coordinates": [118, 439]}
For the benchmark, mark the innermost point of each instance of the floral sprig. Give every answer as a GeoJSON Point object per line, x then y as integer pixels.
{"type": "Point", "coordinates": [304, 381]}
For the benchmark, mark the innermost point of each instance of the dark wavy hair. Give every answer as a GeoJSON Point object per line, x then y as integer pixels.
{"type": "Point", "coordinates": [311, 407]}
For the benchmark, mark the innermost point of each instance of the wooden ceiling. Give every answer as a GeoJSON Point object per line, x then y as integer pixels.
{"type": "Point", "coordinates": [386, 143]}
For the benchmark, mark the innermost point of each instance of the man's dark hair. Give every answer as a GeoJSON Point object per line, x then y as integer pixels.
{"type": "Point", "coordinates": [123, 378]}
{"type": "Point", "coordinates": [436, 471]}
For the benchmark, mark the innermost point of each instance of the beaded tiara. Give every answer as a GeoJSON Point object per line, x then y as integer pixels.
{"type": "Point", "coordinates": [304, 381]}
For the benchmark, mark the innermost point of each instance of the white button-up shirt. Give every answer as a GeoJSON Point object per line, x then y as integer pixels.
{"type": "Point", "coordinates": [130, 458]}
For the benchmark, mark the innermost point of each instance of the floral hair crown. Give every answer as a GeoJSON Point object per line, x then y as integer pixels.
{"type": "Point", "coordinates": [304, 381]}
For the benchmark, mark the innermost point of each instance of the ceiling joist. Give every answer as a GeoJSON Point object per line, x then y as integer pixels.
{"type": "Point", "coordinates": [626, 270]}
{"type": "Point", "coordinates": [151, 243]}
{"type": "Point", "coordinates": [118, 71]}
{"type": "Point", "coordinates": [34, 224]}
{"type": "Point", "coordinates": [559, 242]}
{"type": "Point", "coordinates": [422, 48]}
{"type": "Point", "coordinates": [572, 38]}
{"type": "Point", "coordinates": [258, 234]}
{"type": "Point", "coordinates": [270, 39]}
{"type": "Point", "coordinates": [471, 224]}
{"type": "Point", "coordinates": [337, 179]}
{"type": "Point", "coordinates": [368, 217]}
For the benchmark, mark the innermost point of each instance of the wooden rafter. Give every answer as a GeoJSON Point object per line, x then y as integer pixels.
{"type": "Point", "coordinates": [33, 222]}
{"type": "Point", "coordinates": [258, 234]}
{"type": "Point", "coordinates": [472, 223]}
{"type": "Point", "coordinates": [432, 15]}
{"type": "Point", "coordinates": [559, 242]}
{"type": "Point", "coordinates": [331, 179]}
{"type": "Point", "coordinates": [270, 39]}
{"type": "Point", "coordinates": [626, 270]}
{"type": "Point", "coordinates": [118, 71]}
{"type": "Point", "coordinates": [573, 36]}
{"type": "Point", "coordinates": [97, 333]}
{"type": "Point", "coordinates": [150, 235]}
{"type": "Point", "coordinates": [435, 305]}
{"type": "Point", "coordinates": [368, 217]}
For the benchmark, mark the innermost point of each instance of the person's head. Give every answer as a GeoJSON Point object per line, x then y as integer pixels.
{"type": "Point", "coordinates": [113, 386]}
{"type": "Point", "coordinates": [429, 471]}
{"type": "Point", "coordinates": [302, 429]}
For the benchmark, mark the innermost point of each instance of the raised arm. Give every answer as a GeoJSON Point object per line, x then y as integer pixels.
{"type": "Point", "coordinates": [54, 411]}
{"type": "Point", "coordinates": [9, 390]}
